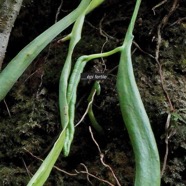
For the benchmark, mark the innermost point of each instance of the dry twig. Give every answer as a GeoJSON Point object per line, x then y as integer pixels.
{"type": "Point", "coordinates": [159, 40]}
{"type": "Point", "coordinates": [157, 52]}
{"type": "Point", "coordinates": [89, 174]}
{"type": "Point", "coordinates": [7, 108]}
{"type": "Point", "coordinates": [57, 168]}
{"type": "Point", "coordinates": [87, 109]}
{"type": "Point", "coordinates": [141, 50]}
{"type": "Point", "coordinates": [166, 143]}
{"type": "Point", "coordinates": [27, 170]}
{"type": "Point", "coordinates": [102, 158]}
{"type": "Point", "coordinates": [158, 5]}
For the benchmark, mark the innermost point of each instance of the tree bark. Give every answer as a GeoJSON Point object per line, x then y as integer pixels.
{"type": "Point", "coordinates": [9, 9]}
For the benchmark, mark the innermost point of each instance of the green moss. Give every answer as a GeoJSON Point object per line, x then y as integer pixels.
{"type": "Point", "coordinates": [13, 176]}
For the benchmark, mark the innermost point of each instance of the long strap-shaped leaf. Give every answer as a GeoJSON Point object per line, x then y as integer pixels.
{"type": "Point", "coordinates": [135, 117]}
{"type": "Point", "coordinates": [66, 105]}
{"type": "Point", "coordinates": [44, 170]}
{"type": "Point", "coordinates": [17, 66]}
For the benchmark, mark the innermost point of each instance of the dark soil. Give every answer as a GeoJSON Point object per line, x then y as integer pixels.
{"type": "Point", "coordinates": [29, 116]}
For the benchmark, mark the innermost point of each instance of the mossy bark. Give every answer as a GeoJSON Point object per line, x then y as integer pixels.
{"type": "Point", "coordinates": [9, 9]}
